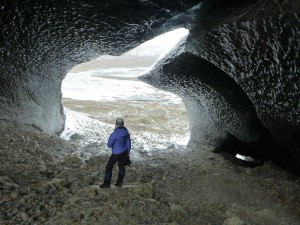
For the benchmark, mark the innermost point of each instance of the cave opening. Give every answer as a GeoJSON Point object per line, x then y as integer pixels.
{"type": "Point", "coordinates": [97, 92]}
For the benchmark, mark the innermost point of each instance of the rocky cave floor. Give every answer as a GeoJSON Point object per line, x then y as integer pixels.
{"type": "Point", "coordinates": [188, 187]}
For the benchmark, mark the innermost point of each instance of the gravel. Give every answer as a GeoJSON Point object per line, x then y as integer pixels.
{"type": "Point", "coordinates": [44, 181]}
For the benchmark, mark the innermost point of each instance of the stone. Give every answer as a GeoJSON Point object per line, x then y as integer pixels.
{"type": "Point", "coordinates": [76, 137]}
{"type": "Point", "coordinates": [94, 161]}
{"type": "Point", "coordinates": [7, 184]}
{"type": "Point", "coordinates": [262, 217]}
{"type": "Point", "coordinates": [73, 159]}
{"type": "Point", "coordinates": [36, 144]}
{"type": "Point", "coordinates": [58, 183]}
{"type": "Point", "coordinates": [267, 216]}
{"type": "Point", "coordinates": [24, 216]}
{"type": "Point", "coordinates": [175, 207]}
{"type": "Point", "coordinates": [14, 195]}
{"type": "Point", "coordinates": [92, 190]}
{"type": "Point", "coordinates": [143, 189]}
{"type": "Point", "coordinates": [234, 221]}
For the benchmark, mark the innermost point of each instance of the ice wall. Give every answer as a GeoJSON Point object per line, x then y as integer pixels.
{"type": "Point", "coordinates": [240, 67]}
{"type": "Point", "coordinates": [42, 40]}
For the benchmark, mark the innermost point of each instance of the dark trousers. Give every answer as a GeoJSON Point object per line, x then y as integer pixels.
{"type": "Point", "coordinates": [121, 159]}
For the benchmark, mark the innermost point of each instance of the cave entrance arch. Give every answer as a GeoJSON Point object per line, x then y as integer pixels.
{"type": "Point", "coordinates": [108, 87]}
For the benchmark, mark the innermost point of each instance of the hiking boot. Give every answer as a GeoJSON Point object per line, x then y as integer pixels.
{"type": "Point", "coordinates": [105, 185]}
{"type": "Point", "coordinates": [119, 183]}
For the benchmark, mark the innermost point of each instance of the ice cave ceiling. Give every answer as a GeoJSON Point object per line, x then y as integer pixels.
{"type": "Point", "coordinates": [237, 71]}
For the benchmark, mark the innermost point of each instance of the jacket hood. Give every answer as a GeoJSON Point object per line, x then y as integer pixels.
{"type": "Point", "coordinates": [121, 131]}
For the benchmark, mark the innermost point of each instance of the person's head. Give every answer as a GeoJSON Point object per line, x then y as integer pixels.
{"type": "Point", "coordinates": [119, 122]}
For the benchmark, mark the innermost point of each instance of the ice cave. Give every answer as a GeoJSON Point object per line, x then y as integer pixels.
{"type": "Point", "coordinates": [237, 72]}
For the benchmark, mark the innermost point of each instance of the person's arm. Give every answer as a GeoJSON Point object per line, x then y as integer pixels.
{"type": "Point", "coordinates": [111, 140]}
{"type": "Point", "coordinates": [128, 144]}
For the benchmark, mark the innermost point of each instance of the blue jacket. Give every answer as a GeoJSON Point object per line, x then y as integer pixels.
{"type": "Point", "coordinates": [119, 141]}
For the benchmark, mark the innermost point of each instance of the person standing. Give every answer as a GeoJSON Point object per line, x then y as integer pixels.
{"type": "Point", "coordinates": [120, 142]}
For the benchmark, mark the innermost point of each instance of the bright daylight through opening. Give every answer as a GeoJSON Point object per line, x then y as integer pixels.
{"type": "Point", "coordinates": [97, 92]}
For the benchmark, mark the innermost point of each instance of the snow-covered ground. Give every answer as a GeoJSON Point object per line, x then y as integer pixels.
{"type": "Point", "coordinates": [97, 92]}
{"type": "Point", "coordinates": [90, 85]}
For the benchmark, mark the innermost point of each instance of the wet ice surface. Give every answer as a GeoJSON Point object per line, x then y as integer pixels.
{"type": "Point", "coordinates": [97, 92]}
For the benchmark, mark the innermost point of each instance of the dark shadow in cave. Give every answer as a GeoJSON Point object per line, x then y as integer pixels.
{"type": "Point", "coordinates": [265, 149]}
